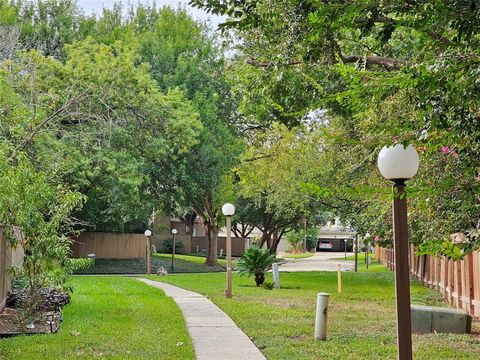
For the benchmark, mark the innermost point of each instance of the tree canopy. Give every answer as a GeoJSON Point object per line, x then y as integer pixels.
{"type": "Point", "coordinates": [389, 72]}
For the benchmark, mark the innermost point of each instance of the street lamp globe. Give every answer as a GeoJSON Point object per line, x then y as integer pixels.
{"type": "Point", "coordinates": [398, 162]}
{"type": "Point", "coordinates": [174, 231]}
{"type": "Point", "coordinates": [228, 209]}
{"type": "Point", "coordinates": [148, 233]}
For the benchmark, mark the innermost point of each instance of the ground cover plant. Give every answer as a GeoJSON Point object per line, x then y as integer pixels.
{"type": "Point", "coordinates": [197, 259]}
{"type": "Point", "coordinates": [110, 317]}
{"type": "Point", "coordinates": [362, 323]}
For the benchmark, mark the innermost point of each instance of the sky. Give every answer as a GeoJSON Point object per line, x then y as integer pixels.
{"type": "Point", "coordinates": [96, 6]}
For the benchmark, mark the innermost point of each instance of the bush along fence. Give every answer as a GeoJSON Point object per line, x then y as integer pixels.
{"type": "Point", "coordinates": [457, 281]}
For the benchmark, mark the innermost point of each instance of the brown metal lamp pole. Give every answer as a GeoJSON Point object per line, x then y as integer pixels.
{"type": "Point", "coordinates": [399, 163]}
{"type": "Point", "coordinates": [402, 280]}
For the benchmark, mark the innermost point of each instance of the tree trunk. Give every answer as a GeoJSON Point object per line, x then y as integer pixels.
{"type": "Point", "coordinates": [265, 238]}
{"type": "Point", "coordinates": [212, 238]}
{"type": "Point", "coordinates": [273, 245]}
{"type": "Point", "coordinates": [259, 279]}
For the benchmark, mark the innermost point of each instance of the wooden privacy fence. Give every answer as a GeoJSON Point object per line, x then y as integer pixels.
{"type": "Point", "coordinates": [457, 281]}
{"type": "Point", "coordinates": [110, 245]}
{"type": "Point", "coordinates": [8, 257]}
{"type": "Point", "coordinates": [134, 246]}
{"type": "Point", "coordinates": [239, 245]}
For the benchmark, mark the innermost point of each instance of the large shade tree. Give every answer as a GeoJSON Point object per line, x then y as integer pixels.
{"type": "Point", "coordinates": [388, 72]}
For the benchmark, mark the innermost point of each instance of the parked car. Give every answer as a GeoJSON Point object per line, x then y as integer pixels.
{"type": "Point", "coordinates": [325, 245]}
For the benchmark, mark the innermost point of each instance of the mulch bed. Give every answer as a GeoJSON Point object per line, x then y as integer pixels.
{"type": "Point", "coordinates": [9, 325]}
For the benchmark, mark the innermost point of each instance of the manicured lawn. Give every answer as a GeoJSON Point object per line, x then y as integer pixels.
{"type": "Point", "coordinates": [374, 266]}
{"type": "Point", "coordinates": [362, 323]}
{"type": "Point", "coordinates": [183, 264]}
{"type": "Point", "coordinates": [110, 317]}
{"type": "Point", "coordinates": [298, 256]}
{"type": "Point", "coordinates": [194, 259]}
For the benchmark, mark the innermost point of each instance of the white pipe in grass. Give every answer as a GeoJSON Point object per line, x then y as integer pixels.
{"type": "Point", "coordinates": [276, 276]}
{"type": "Point", "coordinates": [321, 316]}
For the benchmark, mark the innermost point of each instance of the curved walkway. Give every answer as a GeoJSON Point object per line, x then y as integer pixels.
{"type": "Point", "coordinates": [214, 335]}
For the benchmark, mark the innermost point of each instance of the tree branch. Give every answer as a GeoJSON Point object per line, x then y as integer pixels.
{"type": "Point", "coordinates": [28, 139]}
{"type": "Point", "coordinates": [271, 63]}
{"type": "Point", "coordinates": [389, 63]}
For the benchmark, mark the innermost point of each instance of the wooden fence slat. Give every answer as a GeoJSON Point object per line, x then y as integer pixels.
{"type": "Point", "coordinates": [476, 283]}
{"type": "Point", "coordinates": [457, 281]}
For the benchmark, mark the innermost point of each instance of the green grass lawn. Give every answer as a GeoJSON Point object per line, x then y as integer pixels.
{"type": "Point", "coordinates": [362, 323]}
{"type": "Point", "coordinates": [183, 264]}
{"type": "Point", "coordinates": [298, 256]}
{"type": "Point", "coordinates": [114, 318]}
{"type": "Point", "coordinates": [194, 259]}
{"type": "Point", "coordinates": [374, 266]}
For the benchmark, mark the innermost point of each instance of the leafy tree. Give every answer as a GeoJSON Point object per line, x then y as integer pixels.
{"type": "Point", "coordinates": [387, 72]}
{"type": "Point", "coordinates": [272, 174]}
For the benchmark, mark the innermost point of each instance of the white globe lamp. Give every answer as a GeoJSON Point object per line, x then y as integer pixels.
{"type": "Point", "coordinates": [398, 162]}
{"type": "Point", "coordinates": [228, 209]}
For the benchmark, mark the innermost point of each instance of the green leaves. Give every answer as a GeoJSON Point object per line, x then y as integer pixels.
{"type": "Point", "coordinates": [41, 210]}
{"type": "Point", "coordinates": [453, 251]}
{"type": "Point", "coordinates": [255, 261]}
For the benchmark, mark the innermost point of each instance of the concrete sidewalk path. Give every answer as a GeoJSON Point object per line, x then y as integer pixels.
{"type": "Point", "coordinates": [214, 335]}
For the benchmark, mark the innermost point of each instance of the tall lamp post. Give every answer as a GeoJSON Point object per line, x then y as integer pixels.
{"type": "Point", "coordinates": [148, 234]}
{"type": "Point", "coordinates": [367, 245]}
{"type": "Point", "coordinates": [399, 164]}
{"type": "Point", "coordinates": [356, 252]}
{"type": "Point", "coordinates": [228, 210]}
{"type": "Point", "coordinates": [174, 233]}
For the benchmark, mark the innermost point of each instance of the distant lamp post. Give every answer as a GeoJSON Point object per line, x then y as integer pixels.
{"type": "Point", "coordinates": [399, 164]}
{"type": "Point", "coordinates": [345, 245]}
{"type": "Point", "coordinates": [228, 210]}
{"type": "Point", "coordinates": [367, 245]}
{"type": "Point", "coordinates": [148, 234]}
{"type": "Point", "coordinates": [174, 234]}
{"type": "Point", "coordinates": [356, 252]}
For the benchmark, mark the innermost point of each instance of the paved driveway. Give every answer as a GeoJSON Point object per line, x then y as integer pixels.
{"type": "Point", "coordinates": [321, 261]}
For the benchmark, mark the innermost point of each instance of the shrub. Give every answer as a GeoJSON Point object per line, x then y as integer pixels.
{"type": "Point", "coordinates": [268, 285]}
{"type": "Point", "coordinates": [256, 262]}
{"type": "Point", "coordinates": [36, 213]}
{"type": "Point", "coordinates": [168, 246]}
{"type": "Point", "coordinates": [295, 239]}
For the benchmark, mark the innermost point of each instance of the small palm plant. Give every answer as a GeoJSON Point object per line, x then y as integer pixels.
{"type": "Point", "coordinates": [256, 262]}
